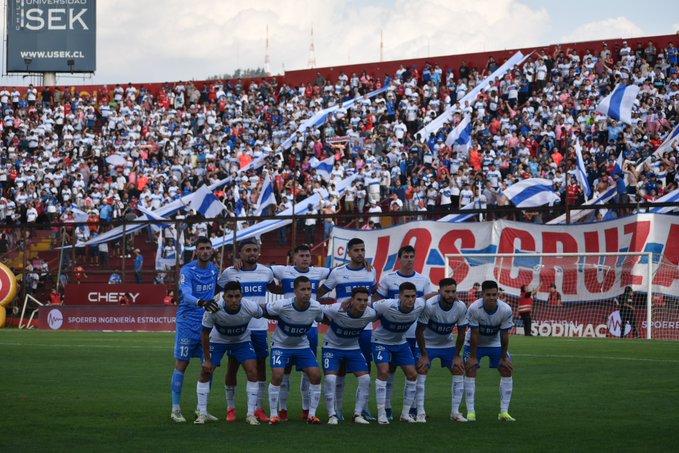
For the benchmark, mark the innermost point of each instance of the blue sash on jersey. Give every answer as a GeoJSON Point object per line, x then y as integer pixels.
{"type": "Point", "coordinates": [344, 332]}
{"type": "Point", "coordinates": [397, 327]}
{"type": "Point", "coordinates": [231, 331]}
{"type": "Point", "coordinates": [441, 328]}
{"type": "Point", "coordinates": [294, 330]}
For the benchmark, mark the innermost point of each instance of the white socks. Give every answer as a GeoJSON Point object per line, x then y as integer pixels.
{"type": "Point", "coordinates": [230, 396]}
{"type": "Point", "coordinates": [381, 397]}
{"type": "Point", "coordinates": [203, 394]}
{"type": "Point", "coordinates": [363, 394]}
{"type": "Point", "coordinates": [304, 390]}
{"type": "Point", "coordinates": [470, 393]}
{"type": "Point", "coordinates": [314, 398]}
{"type": "Point", "coordinates": [457, 392]}
{"type": "Point", "coordinates": [274, 393]}
{"type": "Point", "coordinates": [390, 389]}
{"type": "Point", "coordinates": [285, 391]}
{"type": "Point", "coordinates": [330, 384]}
{"type": "Point", "coordinates": [252, 390]}
{"type": "Point", "coordinates": [420, 392]}
{"type": "Point", "coordinates": [261, 391]}
{"type": "Point", "coordinates": [506, 385]}
{"type": "Point", "coordinates": [408, 397]}
{"type": "Point", "coordinates": [339, 393]}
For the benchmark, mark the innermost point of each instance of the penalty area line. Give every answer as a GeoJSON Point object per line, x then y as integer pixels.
{"type": "Point", "coordinates": [597, 357]}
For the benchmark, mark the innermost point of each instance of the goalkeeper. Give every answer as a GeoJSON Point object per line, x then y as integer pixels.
{"type": "Point", "coordinates": [197, 284]}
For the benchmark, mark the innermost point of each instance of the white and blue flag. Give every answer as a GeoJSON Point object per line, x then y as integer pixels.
{"type": "Point", "coordinates": [325, 167]}
{"type": "Point", "coordinates": [532, 192]}
{"type": "Point", "coordinates": [672, 197]}
{"type": "Point", "coordinates": [461, 136]}
{"type": "Point", "coordinates": [578, 214]}
{"type": "Point", "coordinates": [266, 196]}
{"type": "Point", "coordinates": [618, 105]}
{"type": "Point", "coordinates": [581, 175]}
{"type": "Point", "coordinates": [205, 203]}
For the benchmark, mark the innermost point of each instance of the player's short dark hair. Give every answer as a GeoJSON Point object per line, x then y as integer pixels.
{"type": "Point", "coordinates": [405, 286]}
{"type": "Point", "coordinates": [406, 249]}
{"type": "Point", "coordinates": [354, 241]}
{"type": "Point", "coordinates": [233, 285]}
{"type": "Point", "coordinates": [489, 284]}
{"type": "Point", "coordinates": [301, 279]}
{"type": "Point", "coordinates": [447, 282]}
{"type": "Point", "coordinates": [202, 240]}
{"type": "Point", "coordinates": [360, 290]}
{"type": "Point", "coordinates": [245, 242]}
{"type": "Point", "coordinates": [302, 248]}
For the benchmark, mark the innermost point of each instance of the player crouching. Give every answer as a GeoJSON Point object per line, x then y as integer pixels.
{"type": "Point", "coordinates": [226, 332]}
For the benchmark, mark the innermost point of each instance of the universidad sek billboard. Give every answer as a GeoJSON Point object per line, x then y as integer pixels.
{"type": "Point", "coordinates": [51, 36]}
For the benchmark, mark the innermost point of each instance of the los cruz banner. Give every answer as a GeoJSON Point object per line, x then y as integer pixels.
{"type": "Point", "coordinates": [578, 279]}
{"type": "Point", "coordinates": [109, 318]}
{"type": "Point", "coordinates": [103, 294]}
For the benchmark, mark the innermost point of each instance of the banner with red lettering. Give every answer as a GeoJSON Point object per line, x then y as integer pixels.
{"type": "Point", "coordinates": [103, 294]}
{"type": "Point", "coordinates": [114, 317]}
{"type": "Point", "coordinates": [578, 279]}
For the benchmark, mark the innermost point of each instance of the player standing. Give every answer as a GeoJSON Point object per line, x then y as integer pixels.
{"type": "Point", "coordinates": [254, 279]}
{"type": "Point", "coordinates": [388, 289]}
{"type": "Point", "coordinates": [343, 279]}
{"type": "Point", "coordinates": [390, 347]}
{"type": "Point", "coordinates": [290, 345]}
{"type": "Point", "coordinates": [435, 340]}
{"type": "Point", "coordinates": [197, 283]}
{"type": "Point", "coordinates": [341, 348]}
{"type": "Point", "coordinates": [226, 332]}
{"type": "Point", "coordinates": [489, 320]}
{"type": "Point", "coordinates": [286, 275]}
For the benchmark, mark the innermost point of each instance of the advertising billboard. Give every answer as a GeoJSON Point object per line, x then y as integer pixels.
{"type": "Point", "coordinates": [51, 35]}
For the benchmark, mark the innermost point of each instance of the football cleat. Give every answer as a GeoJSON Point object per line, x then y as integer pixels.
{"type": "Point", "coordinates": [458, 417]}
{"type": "Point", "coordinates": [283, 415]}
{"type": "Point", "coordinates": [390, 414]}
{"type": "Point", "coordinates": [421, 418]}
{"type": "Point", "coordinates": [333, 420]}
{"type": "Point", "coordinates": [367, 415]}
{"type": "Point", "coordinates": [407, 418]}
{"type": "Point", "coordinates": [305, 414]}
{"type": "Point", "coordinates": [471, 416]}
{"type": "Point", "coordinates": [505, 417]}
{"type": "Point", "coordinates": [359, 420]}
{"type": "Point", "coordinates": [210, 417]}
{"type": "Point", "coordinates": [413, 412]}
{"type": "Point", "coordinates": [313, 420]}
{"type": "Point", "coordinates": [201, 420]}
{"type": "Point", "coordinates": [340, 415]}
{"type": "Point", "coordinates": [251, 420]}
{"type": "Point", "coordinates": [177, 417]}
{"type": "Point", "coordinates": [261, 415]}
{"type": "Point", "coordinates": [381, 419]}
{"type": "Point", "coordinates": [274, 421]}
{"type": "Point", "coordinates": [231, 415]}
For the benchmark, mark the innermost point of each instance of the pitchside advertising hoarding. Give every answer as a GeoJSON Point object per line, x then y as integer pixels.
{"type": "Point", "coordinates": [102, 294]}
{"type": "Point", "coordinates": [51, 35]}
{"type": "Point", "coordinates": [108, 318]}
{"type": "Point", "coordinates": [589, 294]}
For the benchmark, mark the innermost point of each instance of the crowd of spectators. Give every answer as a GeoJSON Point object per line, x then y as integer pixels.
{"type": "Point", "coordinates": [55, 143]}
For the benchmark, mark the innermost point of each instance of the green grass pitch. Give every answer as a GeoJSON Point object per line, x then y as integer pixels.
{"type": "Point", "coordinates": [78, 391]}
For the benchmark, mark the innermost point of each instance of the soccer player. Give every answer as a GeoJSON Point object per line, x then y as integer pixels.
{"type": "Point", "coordinates": [388, 289]}
{"type": "Point", "coordinates": [343, 279]}
{"type": "Point", "coordinates": [254, 279]}
{"type": "Point", "coordinates": [489, 321]}
{"type": "Point", "coordinates": [286, 275]}
{"type": "Point", "coordinates": [290, 345]}
{"type": "Point", "coordinates": [226, 332]}
{"type": "Point", "coordinates": [390, 348]}
{"type": "Point", "coordinates": [435, 340]}
{"type": "Point", "coordinates": [197, 282]}
{"type": "Point", "coordinates": [340, 347]}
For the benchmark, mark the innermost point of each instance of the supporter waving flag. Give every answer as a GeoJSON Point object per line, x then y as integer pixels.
{"type": "Point", "coordinates": [671, 197]}
{"type": "Point", "coordinates": [580, 213]}
{"type": "Point", "coordinates": [618, 105]}
{"type": "Point", "coordinates": [204, 202]}
{"type": "Point", "coordinates": [581, 174]}
{"type": "Point", "coordinates": [266, 196]}
{"type": "Point", "coordinates": [532, 192]}
{"type": "Point", "coordinates": [462, 133]}
{"type": "Point", "coordinates": [325, 167]}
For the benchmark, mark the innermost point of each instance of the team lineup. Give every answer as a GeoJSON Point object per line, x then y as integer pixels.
{"type": "Point", "coordinates": [228, 315]}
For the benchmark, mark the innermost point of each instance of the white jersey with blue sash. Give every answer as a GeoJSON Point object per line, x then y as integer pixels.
{"type": "Point", "coordinates": [293, 324]}
{"type": "Point", "coordinates": [394, 322]}
{"type": "Point", "coordinates": [253, 285]}
{"type": "Point", "coordinates": [440, 323]}
{"type": "Point", "coordinates": [489, 324]}
{"type": "Point", "coordinates": [231, 328]}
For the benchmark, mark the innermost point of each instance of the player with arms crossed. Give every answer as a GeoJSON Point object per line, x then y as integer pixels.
{"type": "Point", "coordinates": [388, 289]}
{"type": "Point", "coordinates": [343, 279]}
{"type": "Point", "coordinates": [340, 347]}
{"type": "Point", "coordinates": [435, 340]}
{"type": "Point", "coordinates": [197, 283]}
{"type": "Point", "coordinates": [226, 332]}
{"type": "Point", "coordinates": [489, 320]}
{"type": "Point", "coordinates": [286, 275]}
{"type": "Point", "coordinates": [254, 280]}
{"type": "Point", "coordinates": [390, 347]}
{"type": "Point", "coordinates": [290, 345]}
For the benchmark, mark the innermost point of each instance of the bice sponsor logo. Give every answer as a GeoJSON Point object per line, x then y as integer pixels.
{"type": "Point", "coordinates": [55, 319]}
